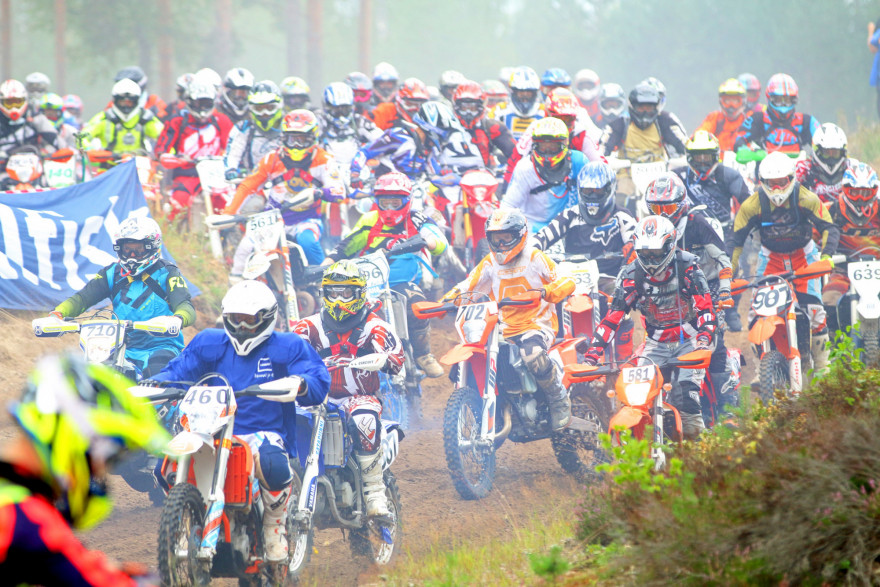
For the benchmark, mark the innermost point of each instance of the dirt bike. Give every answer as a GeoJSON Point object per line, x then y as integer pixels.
{"type": "Point", "coordinates": [330, 493]}
{"type": "Point", "coordinates": [863, 270]}
{"type": "Point", "coordinates": [214, 191]}
{"type": "Point", "coordinates": [102, 338]}
{"type": "Point", "coordinates": [211, 523]}
{"type": "Point", "coordinates": [641, 392]}
{"type": "Point", "coordinates": [469, 215]}
{"type": "Point", "coordinates": [490, 377]}
{"type": "Point", "coordinates": [781, 331]}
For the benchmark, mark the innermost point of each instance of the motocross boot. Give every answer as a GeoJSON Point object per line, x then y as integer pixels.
{"type": "Point", "coordinates": [820, 353]}
{"type": "Point", "coordinates": [422, 350]}
{"type": "Point", "coordinates": [374, 485]}
{"type": "Point", "coordinates": [275, 505]}
{"type": "Point", "coordinates": [557, 397]}
{"type": "Point", "coordinates": [692, 425]}
{"type": "Point", "coordinates": [731, 317]}
{"type": "Point", "coordinates": [724, 390]}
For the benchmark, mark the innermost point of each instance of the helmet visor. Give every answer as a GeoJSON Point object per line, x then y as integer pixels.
{"type": "Point", "coordinates": [129, 249]}
{"type": "Point", "coordinates": [342, 293]}
{"type": "Point", "coordinates": [502, 240]}
{"type": "Point", "coordinates": [652, 257]}
{"type": "Point", "coordinates": [342, 111]}
{"type": "Point", "coordinates": [245, 321]}
{"type": "Point", "coordinates": [646, 108]}
{"type": "Point", "coordinates": [202, 105]}
{"type": "Point", "coordinates": [586, 85]}
{"type": "Point", "coordinates": [298, 140]}
{"type": "Point", "coordinates": [392, 202]}
{"type": "Point", "coordinates": [860, 194]}
{"type": "Point", "coordinates": [731, 101]}
{"type": "Point", "coordinates": [830, 155]}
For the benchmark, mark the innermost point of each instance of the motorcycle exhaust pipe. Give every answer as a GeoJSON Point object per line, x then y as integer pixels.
{"type": "Point", "coordinates": [508, 424]}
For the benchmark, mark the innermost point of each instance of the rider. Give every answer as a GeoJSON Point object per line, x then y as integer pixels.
{"type": "Point", "coordinates": [786, 213]}
{"type": "Point", "coordinates": [469, 104]}
{"type": "Point", "coordinates": [16, 128]}
{"type": "Point", "coordinates": [37, 85]}
{"type": "Point", "coordinates": [249, 352]}
{"type": "Point", "coordinates": [75, 420]}
{"type": "Point", "coordinates": [409, 96]}
{"type": "Point", "coordinates": [545, 184]}
{"type": "Point", "coordinates": [345, 328]}
{"type": "Point", "coordinates": [670, 290]}
{"type": "Point", "coordinates": [125, 126]}
{"type": "Point", "coordinates": [524, 106]}
{"type": "Point", "coordinates": [554, 77]}
{"type": "Point", "coordinates": [141, 286]}
{"type": "Point", "coordinates": [780, 127]}
{"type": "Point", "coordinates": [855, 212]}
{"type": "Point", "coordinates": [612, 105]}
{"type": "Point", "coordinates": [666, 196]}
{"type": "Point", "coordinates": [725, 123]}
{"type": "Point", "coordinates": [52, 107]}
{"type": "Point", "coordinates": [237, 86]}
{"type": "Point", "coordinates": [342, 125]}
{"type": "Point", "coordinates": [823, 172]}
{"type": "Point", "coordinates": [253, 139]}
{"type": "Point", "coordinates": [391, 221]}
{"type": "Point", "coordinates": [198, 131]}
{"type": "Point", "coordinates": [181, 85]}
{"type": "Point", "coordinates": [514, 267]}
{"type": "Point", "coordinates": [148, 101]}
{"type": "Point", "coordinates": [299, 163]}
{"type": "Point", "coordinates": [449, 82]}
{"type": "Point", "coordinates": [362, 87]}
{"type": "Point", "coordinates": [753, 92]}
{"type": "Point", "coordinates": [73, 108]}
{"type": "Point", "coordinates": [595, 227]}
{"type": "Point", "coordinates": [385, 78]}
{"type": "Point", "coordinates": [496, 93]}
{"type": "Point", "coordinates": [587, 88]}
{"type": "Point", "coordinates": [295, 92]}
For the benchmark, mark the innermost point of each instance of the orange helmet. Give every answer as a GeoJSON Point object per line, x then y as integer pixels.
{"type": "Point", "coordinates": [563, 104]}
{"type": "Point", "coordinates": [411, 94]}
{"type": "Point", "coordinates": [469, 103]}
{"type": "Point", "coordinates": [299, 131]}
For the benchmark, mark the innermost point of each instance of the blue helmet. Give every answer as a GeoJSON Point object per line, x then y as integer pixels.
{"type": "Point", "coordinates": [437, 120]}
{"type": "Point", "coordinates": [597, 183]}
{"type": "Point", "coordinates": [556, 77]}
{"type": "Point", "coordinates": [339, 104]}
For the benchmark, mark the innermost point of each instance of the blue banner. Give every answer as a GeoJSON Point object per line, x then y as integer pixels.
{"type": "Point", "coordinates": [53, 242]}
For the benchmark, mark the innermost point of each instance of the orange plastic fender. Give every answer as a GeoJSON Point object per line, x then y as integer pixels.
{"type": "Point", "coordinates": [764, 328]}
{"type": "Point", "coordinates": [459, 353]}
{"type": "Point", "coordinates": [577, 373]}
{"type": "Point", "coordinates": [628, 417]}
{"type": "Point", "coordinates": [698, 359]}
{"type": "Point", "coordinates": [578, 304]}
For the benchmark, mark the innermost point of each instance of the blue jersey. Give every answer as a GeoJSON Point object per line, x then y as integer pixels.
{"type": "Point", "coordinates": [282, 354]}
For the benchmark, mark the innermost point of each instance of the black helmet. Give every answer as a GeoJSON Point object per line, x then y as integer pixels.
{"type": "Point", "coordinates": [596, 185]}
{"type": "Point", "coordinates": [644, 105]}
{"type": "Point", "coordinates": [134, 73]}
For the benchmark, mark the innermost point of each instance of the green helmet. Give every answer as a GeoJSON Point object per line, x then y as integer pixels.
{"type": "Point", "coordinates": [80, 416]}
{"type": "Point", "coordinates": [265, 104]}
{"type": "Point", "coordinates": [343, 290]}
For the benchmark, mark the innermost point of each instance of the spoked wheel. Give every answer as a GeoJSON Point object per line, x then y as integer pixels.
{"type": "Point", "coordinates": [579, 453]}
{"type": "Point", "coordinates": [471, 465]}
{"type": "Point", "coordinates": [773, 374]}
{"type": "Point", "coordinates": [180, 534]}
{"type": "Point", "coordinates": [380, 541]}
{"type": "Point", "coordinates": [299, 537]}
{"type": "Point", "coordinates": [871, 342]}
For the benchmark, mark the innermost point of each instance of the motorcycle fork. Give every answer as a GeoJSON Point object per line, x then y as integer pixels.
{"type": "Point", "coordinates": [217, 497]}
{"type": "Point", "coordinates": [305, 505]}
{"type": "Point", "coordinates": [490, 391]}
{"type": "Point", "coordinates": [657, 454]}
{"type": "Point", "coordinates": [289, 291]}
{"type": "Point", "coordinates": [794, 363]}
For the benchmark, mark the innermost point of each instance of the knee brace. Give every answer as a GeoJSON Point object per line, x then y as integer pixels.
{"type": "Point", "coordinates": [365, 426]}
{"type": "Point", "coordinates": [273, 467]}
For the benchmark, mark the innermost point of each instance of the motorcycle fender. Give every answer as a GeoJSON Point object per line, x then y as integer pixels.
{"type": "Point", "coordinates": [460, 353]}
{"type": "Point", "coordinates": [869, 308]}
{"type": "Point", "coordinates": [257, 264]}
{"type": "Point", "coordinates": [628, 417]}
{"type": "Point", "coordinates": [764, 327]}
{"type": "Point", "coordinates": [390, 443]}
{"type": "Point", "coordinates": [186, 443]}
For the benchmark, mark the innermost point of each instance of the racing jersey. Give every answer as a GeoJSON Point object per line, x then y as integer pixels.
{"type": "Point", "coordinates": [675, 307]}
{"type": "Point", "coordinates": [373, 335]}
{"type": "Point", "coordinates": [827, 192]}
{"type": "Point", "coordinates": [854, 237]}
{"type": "Point", "coordinates": [185, 136]}
{"type": "Point", "coordinates": [612, 235]}
{"type": "Point", "coordinates": [531, 269]}
{"type": "Point", "coordinates": [489, 134]}
{"type": "Point", "coordinates": [540, 201]}
{"type": "Point", "coordinates": [345, 142]}
{"type": "Point", "coordinates": [724, 129]}
{"type": "Point", "coordinates": [248, 144]}
{"type": "Point", "coordinates": [793, 137]}
{"type": "Point", "coordinates": [399, 148]}
{"type": "Point", "coordinates": [508, 115]}
{"type": "Point", "coordinates": [36, 130]}
{"type": "Point", "coordinates": [580, 140]}
{"type": "Point", "coordinates": [621, 133]}
{"type": "Point", "coordinates": [722, 192]}
{"type": "Point", "coordinates": [123, 136]}
{"type": "Point", "coordinates": [281, 355]}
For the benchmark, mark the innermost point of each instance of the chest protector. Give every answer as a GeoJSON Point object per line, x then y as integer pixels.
{"type": "Point", "coordinates": [643, 145]}
{"type": "Point", "coordinates": [665, 304]}
{"type": "Point", "coordinates": [785, 228]}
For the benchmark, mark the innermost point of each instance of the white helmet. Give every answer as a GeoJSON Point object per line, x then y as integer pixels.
{"type": "Point", "coordinates": [200, 98]}
{"type": "Point", "coordinates": [13, 100]}
{"type": "Point", "coordinates": [138, 243]}
{"type": "Point", "coordinates": [655, 244]}
{"type": "Point", "coordinates": [586, 85]}
{"type": "Point", "coordinates": [126, 97]}
{"type": "Point", "coordinates": [249, 313]}
{"type": "Point", "coordinates": [829, 152]}
{"type": "Point", "coordinates": [237, 86]}
{"type": "Point", "coordinates": [777, 176]}
{"type": "Point", "coordinates": [210, 76]}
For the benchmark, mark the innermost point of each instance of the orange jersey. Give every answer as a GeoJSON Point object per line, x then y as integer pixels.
{"type": "Point", "coordinates": [384, 115]}
{"type": "Point", "coordinates": [532, 269]}
{"type": "Point", "coordinates": [725, 131]}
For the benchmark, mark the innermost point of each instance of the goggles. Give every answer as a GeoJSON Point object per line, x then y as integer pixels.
{"type": "Point", "coordinates": [391, 202]}
{"type": "Point", "coordinates": [830, 154]}
{"type": "Point", "coordinates": [295, 101]}
{"type": "Point", "coordinates": [342, 111]}
{"type": "Point", "coordinates": [782, 101]}
{"type": "Point", "coordinates": [237, 95]}
{"type": "Point", "coordinates": [525, 95]}
{"type": "Point", "coordinates": [412, 104]}
{"type": "Point", "coordinates": [202, 104]}
{"type": "Point", "coordinates": [593, 194]}
{"type": "Point", "coordinates": [468, 106]}
{"type": "Point", "coordinates": [13, 103]}
{"type": "Point", "coordinates": [131, 250]}
{"type": "Point", "coordinates": [731, 101]}
{"type": "Point", "coordinates": [265, 109]}
{"type": "Point", "coordinates": [586, 85]}
{"type": "Point", "coordinates": [652, 257]}
{"type": "Point", "coordinates": [361, 96]}
{"type": "Point", "coordinates": [860, 194]}
{"type": "Point", "coordinates": [344, 293]}
{"type": "Point", "coordinates": [51, 114]}
{"type": "Point", "coordinates": [125, 102]}
{"type": "Point", "coordinates": [247, 321]}
{"type": "Point", "coordinates": [549, 148]}
{"type": "Point", "coordinates": [645, 108]}
{"type": "Point", "coordinates": [298, 140]}
{"type": "Point", "coordinates": [611, 104]}
{"type": "Point", "coordinates": [668, 209]}
{"type": "Point", "coordinates": [778, 183]}
{"type": "Point", "coordinates": [502, 240]}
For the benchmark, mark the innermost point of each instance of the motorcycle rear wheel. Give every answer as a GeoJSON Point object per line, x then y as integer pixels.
{"type": "Point", "coordinates": [370, 540]}
{"type": "Point", "coordinates": [579, 453]}
{"type": "Point", "coordinates": [773, 375]}
{"type": "Point", "coordinates": [180, 534]}
{"type": "Point", "coordinates": [472, 468]}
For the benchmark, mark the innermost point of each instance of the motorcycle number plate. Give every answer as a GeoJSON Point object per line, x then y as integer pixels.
{"type": "Point", "coordinates": [585, 275]}
{"type": "Point", "coordinates": [376, 269]}
{"type": "Point", "coordinates": [771, 299]}
{"type": "Point", "coordinates": [864, 271]}
{"type": "Point", "coordinates": [638, 374]}
{"type": "Point", "coordinates": [99, 339]}
{"type": "Point", "coordinates": [262, 220]}
{"type": "Point", "coordinates": [644, 173]}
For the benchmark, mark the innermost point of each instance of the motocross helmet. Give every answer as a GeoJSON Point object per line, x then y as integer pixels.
{"type": "Point", "coordinates": [237, 86]}
{"type": "Point", "coordinates": [299, 136]}
{"type": "Point", "coordinates": [265, 104]}
{"type": "Point", "coordinates": [732, 98]}
{"type": "Point", "coordinates": [210, 76]}
{"type": "Point", "coordinates": [661, 90]}
{"type": "Point", "coordinates": [81, 420]}
{"type": "Point", "coordinates": [644, 105]}
{"type": "Point", "coordinates": [385, 78]}
{"type": "Point", "coordinates": [562, 104]}
{"type": "Point", "coordinates": [702, 151]}
{"type": "Point", "coordinates": [391, 193]}
{"type": "Point", "coordinates": [777, 177]}
{"type": "Point", "coordinates": [126, 99]}
{"type": "Point", "coordinates": [506, 232]}
{"type": "Point", "coordinates": [782, 96]}
{"type": "Point", "coordinates": [596, 185]}
{"type": "Point", "coordinates": [200, 99]}
{"type": "Point", "coordinates": [181, 85]}
{"type": "Point", "coordinates": [361, 86]}
{"type": "Point", "coordinates": [829, 153]}
{"type": "Point", "coordinates": [410, 96]}
{"type": "Point", "coordinates": [137, 75]}
{"type": "Point", "coordinates": [449, 81]}
{"type": "Point", "coordinates": [858, 196]}
{"type": "Point", "coordinates": [138, 244]}
{"type": "Point", "coordinates": [13, 100]}
{"type": "Point", "coordinates": [73, 105]}
{"type": "Point", "coordinates": [37, 84]}
{"type": "Point", "coordinates": [295, 92]}
{"type": "Point", "coordinates": [586, 86]}
{"type": "Point", "coordinates": [524, 85]}
{"type": "Point", "coordinates": [343, 292]}
{"type": "Point", "coordinates": [753, 88]}
{"type": "Point", "coordinates": [52, 107]}
{"type": "Point", "coordinates": [437, 121]}
{"type": "Point", "coordinates": [666, 196]}
{"type": "Point", "coordinates": [339, 105]}
{"type": "Point", "coordinates": [550, 148]}
{"type": "Point", "coordinates": [553, 78]}
{"type": "Point", "coordinates": [496, 92]}
{"type": "Point", "coordinates": [469, 103]}
{"type": "Point", "coordinates": [504, 75]}
{"type": "Point", "coordinates": [249, 313]}
{"type": "Point", "coordinates": [612, 101]}
{"type": "Point", "coordinates": [654, 242]}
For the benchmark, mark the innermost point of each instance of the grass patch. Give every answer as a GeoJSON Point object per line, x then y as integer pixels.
{"type": "Point", "coordinates": [863, 142]}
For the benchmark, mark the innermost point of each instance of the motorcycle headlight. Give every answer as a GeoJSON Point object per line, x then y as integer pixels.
{"type": "Point", "coordinates": [472, 331]}
{"type": "Point", "coordinates": [637, 393]}
{"type": "Point", "coordinates": [99, 351]}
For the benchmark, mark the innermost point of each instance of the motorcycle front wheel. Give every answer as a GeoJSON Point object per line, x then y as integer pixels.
{"type": "Point", "coordinates": [378, 541]}
{"type": "Point", "coordinates": [180, 534]}
{"type": "Point", "coordinates": [471, 465]}
{"type": "Point", "coordinates": [299, 539]}
{"type": "Point", "coordinates": [579, 453]}
{"type": "Point", "coordinates": [773, 374]}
